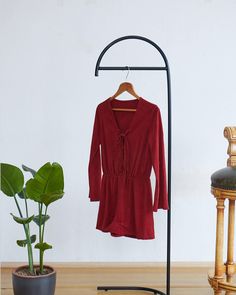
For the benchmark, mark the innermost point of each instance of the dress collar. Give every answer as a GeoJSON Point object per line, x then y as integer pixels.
{"type": "Point", "coordinates": [140, 100]}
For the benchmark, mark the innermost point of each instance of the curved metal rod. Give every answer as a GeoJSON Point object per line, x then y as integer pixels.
{"type": "Point", "coordinates": [166, 68]}
{"type": "Point", "coordinates": [115, 288]}
{"type": "Point", "coordinates": [97, 68]}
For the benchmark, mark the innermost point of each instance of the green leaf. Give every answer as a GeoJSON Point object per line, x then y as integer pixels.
{"type": "Point", "coordinates": [27, 169]}
{"type": "Point", "coordinates": [48, 180]}
{"type": "Point", "coordinates": [22, 220]}
{"type": "Point", "coordinates": [43, 220]}
{"type": "Point", "coordinates": [43, 246]}
{"type": "Point", "coordinates": [12, 179]}
{"type": "Point", "coordinates": [23, 243]}
{"type": "Point", "coordinates": [47, 199]}
{"type": "Point", "coordinates": [22, 194]}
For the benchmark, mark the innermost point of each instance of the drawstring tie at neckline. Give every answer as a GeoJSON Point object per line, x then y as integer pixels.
{"type": "Point", "coordinates": [124, 151]}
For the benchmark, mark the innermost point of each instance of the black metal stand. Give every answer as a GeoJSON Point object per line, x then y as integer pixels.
{"type": "Point", "coordinates": [167, 70]}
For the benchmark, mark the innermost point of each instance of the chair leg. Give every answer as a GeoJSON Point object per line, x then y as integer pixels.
{"type": "Point", "coordinates": [230, 249]}
{"type": "Point", "coordinates": [219, 264]}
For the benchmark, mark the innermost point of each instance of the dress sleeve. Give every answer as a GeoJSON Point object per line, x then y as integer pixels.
{"type": "Point", "coordinates": [94, 167]}
{"type": "Point", "coordinates": [156, 142]}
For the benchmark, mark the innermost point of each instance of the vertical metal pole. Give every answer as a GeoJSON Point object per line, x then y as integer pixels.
{"type": "Point", "coordinates": [169, 183]}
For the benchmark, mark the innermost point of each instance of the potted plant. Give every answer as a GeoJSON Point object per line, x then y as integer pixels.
{"type": "Point", "coordinates": [45, 187]}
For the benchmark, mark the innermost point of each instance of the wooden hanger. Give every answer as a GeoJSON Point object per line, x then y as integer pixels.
{"type": "Point", "coordinates": [125, 86]}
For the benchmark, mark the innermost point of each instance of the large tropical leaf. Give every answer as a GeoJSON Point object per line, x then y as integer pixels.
{"type": "Point", "coordinates": [43, 219]}
{"type": "Point", "coordinates": [47, 180]}
{"type": "Point", "coordinates": [43, 246]}
{"type": "Point", "coordinates": [48, 198]}
{"type": "Point", "coordinates": [27, 169]}
{"type": "Point", "coordinates": [23, 243]}
{"type": "Point", "coordinates": [22, 220]}
{"type": "Point", "coordinates": [12, 179]}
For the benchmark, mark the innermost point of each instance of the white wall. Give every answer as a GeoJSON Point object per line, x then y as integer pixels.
{"type": "Point", "coordinates": [49, 94]}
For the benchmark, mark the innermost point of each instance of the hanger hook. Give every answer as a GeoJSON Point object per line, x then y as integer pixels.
{"type": "Point", "coordinates": [127, 72]}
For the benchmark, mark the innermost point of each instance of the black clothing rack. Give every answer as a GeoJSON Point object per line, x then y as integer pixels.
{"type": "Point", "coordinates": [167, 70]}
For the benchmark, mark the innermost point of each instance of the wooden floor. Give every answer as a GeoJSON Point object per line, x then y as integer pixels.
{"type": "Point", "coordinates": [83, 278]}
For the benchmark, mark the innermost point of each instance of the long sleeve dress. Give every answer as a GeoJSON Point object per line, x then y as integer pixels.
{"type": "Point", "coordinates": [125, 146]}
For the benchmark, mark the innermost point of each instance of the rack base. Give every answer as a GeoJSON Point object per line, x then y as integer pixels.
{"type": "Point", "coordinates": [107, 288]}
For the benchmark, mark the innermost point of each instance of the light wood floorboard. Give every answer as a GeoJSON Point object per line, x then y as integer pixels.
{"type": "Point", "coordinates": [83, 278]}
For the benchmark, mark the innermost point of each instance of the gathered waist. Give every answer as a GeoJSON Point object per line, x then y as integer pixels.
{"type": "Point", "coordinates": [137, 176]}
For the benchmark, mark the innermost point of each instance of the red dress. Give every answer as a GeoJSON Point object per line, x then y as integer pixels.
{"type": "Point", "coordinates": [125, 146]}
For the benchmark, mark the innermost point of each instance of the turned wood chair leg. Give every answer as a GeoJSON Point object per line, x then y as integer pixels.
{"type": "Point", "coordinates": [217, 292]}
{"type": "Point", "coordinates": [230, 249]}
{"type": "Point", "coordinates": [219, 264]}
{"type": "Point", "coordinates": [229, 280]}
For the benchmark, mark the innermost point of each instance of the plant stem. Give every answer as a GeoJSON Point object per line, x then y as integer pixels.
{"type": "Point", "coordinates": [29, 245]}
{"type": "Point", "coordinates": [44, 223]}
{"type": "Point", "coordinates": [26, 207]}
{"type": "Point", "coordinates": [40, 238]}
{"type": "Point", "coordinates": [27, 234]}
{"type": "Point", "coordinates": [39, 223]}
{"type": "Point", "coordinates": [39, 206]}
{"type": "Point", "coordinates": [18, 207]}
{"type": "Point", "coordinates": [30, 252]}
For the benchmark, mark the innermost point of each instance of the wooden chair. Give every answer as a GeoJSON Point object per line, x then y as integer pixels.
{"type": "Point", "coordinates": [223, 187]}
